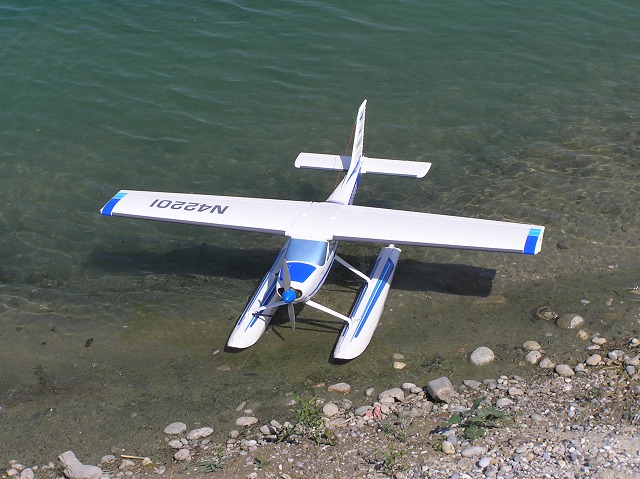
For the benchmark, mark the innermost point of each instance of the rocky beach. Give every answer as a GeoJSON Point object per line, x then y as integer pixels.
{"type": "Point", "coordinates": [564, 421]}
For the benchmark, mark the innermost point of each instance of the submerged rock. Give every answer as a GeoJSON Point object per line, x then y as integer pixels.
{"type": "Point", "coordinates": [570, 321]}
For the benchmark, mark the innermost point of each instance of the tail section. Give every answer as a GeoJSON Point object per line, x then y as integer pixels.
{"type": "Point", "coordinates": [346, 190]}
{"type": "Point", "coordinates": [357, 164]}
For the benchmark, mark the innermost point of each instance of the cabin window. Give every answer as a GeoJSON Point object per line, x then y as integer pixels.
{"type": "Point", "coordinates": [307, 251]}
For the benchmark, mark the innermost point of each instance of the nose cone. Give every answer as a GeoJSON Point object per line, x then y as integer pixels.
{"type": "Point", "coordinates": [288, 296]}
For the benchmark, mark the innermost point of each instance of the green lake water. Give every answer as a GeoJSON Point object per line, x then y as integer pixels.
{"type": "Point", "coordinates": [111, 328]}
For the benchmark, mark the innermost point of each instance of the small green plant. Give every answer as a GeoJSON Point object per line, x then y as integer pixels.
{"type": "Point", "coordinates": [392, 460]}
{"type": "Point", "coordinates": [308, 422]}
{"type": "Point", "coordinates": [212, 464]}
{"type": "Point", "coordinates": [476, 419]}
{"type": "Point", "coordinates": [398, 429]}
{"type": "Point", "coordinates": [261, 462]}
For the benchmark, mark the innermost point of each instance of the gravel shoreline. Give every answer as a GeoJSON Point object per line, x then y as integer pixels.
{"type": "Point", "coordinates": [576, 421]}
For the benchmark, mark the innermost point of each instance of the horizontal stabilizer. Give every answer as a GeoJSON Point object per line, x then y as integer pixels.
{"type": "Point", "coordinates": [379, 166]}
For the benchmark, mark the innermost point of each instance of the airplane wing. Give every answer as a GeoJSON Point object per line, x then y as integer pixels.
{"type": "Point", "coordinates": [327, 221]}
{"type": "Point", "coordinates": [250, 214]}
{"type": "Point", "coordinates": [361, 223]}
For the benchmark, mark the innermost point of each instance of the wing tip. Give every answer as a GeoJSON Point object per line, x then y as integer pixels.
{"type": "Point", "coordinates": [533, 243]}
{"type": "Point", "coordinates": [108, 208]}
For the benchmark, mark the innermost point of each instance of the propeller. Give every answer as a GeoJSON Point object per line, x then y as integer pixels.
{"type": "Point", "coordinates": [288, 295]}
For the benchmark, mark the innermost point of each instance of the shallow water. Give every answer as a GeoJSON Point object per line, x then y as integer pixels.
{"type": "Point", "coordinates": [528, 112]}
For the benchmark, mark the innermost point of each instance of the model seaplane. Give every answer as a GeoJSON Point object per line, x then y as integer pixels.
{"type": "Point", "coordinates": [314, 229]}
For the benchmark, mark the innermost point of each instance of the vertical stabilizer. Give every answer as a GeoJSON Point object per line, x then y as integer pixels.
{"type": "Point", "coordinates": [346, 190]}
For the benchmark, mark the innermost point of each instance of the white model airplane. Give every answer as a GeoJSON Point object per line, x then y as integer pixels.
{"type": "Point", "coordinates": [314, 230]}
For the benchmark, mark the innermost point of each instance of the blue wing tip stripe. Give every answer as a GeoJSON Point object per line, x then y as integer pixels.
{"type": "Point", "coordinates": [530, 245]}
{"type": "Point", "coordinates": [108, 208]}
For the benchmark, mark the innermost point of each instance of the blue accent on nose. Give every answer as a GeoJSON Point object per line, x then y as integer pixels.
{"type": "Point", "coordinates": [288, 296]}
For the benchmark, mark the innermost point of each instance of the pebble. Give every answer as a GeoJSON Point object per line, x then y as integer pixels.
{"type": "Point", "coordinates": [396, 394]}
{"type": "Point", "coordinates": [472, 383]}
{"type": "Point", "coordinates": [200, 433]}
{"type": "Point", "coordinates": [182, 455]}
{"type": "Point", "coordinates": [546, 314]}
{"type": "Point", "coordinates": [448, 447]}
{"type": "Point", "coordinates": [546, 363]}
{"type": "Point", "coordinates": [598, 340]}
{"type": "Point", "coordinates": [515, 392]}
{"type": "Point", "coordinates": [484, 462]}
{"type": "Point", "coordinates": [481, 355]}
{"type": "Point", "coordinates": [175, 444]}
{"type": "Point", "coordinates": [531, 345]}
{"type": "Point", "coordinates": [175, 428]}
{"type": "Point", "coordinates": [503, 402]}
{"type": "Point", "coordinates": [582, 334]}
{"type": "Point", "coordinates": [27, 473]}
{"type": "Point", "coordinates": [564, 370]}
{"type": "Point", "coordinates": [246, 421]}
{"type": "Point", "coordinates": [440, 389]}
{"type": "Point", "coordinates": [570, 321]}
{"type": "Point", "coordinates": [533, 357]}
{"type": "Point", "coordinates": [473, 451]}
{"type": "Point", "coordinates": [399, 365]}
{"type": "Point", "coordinates": [330, 409]}
{"type": "Point", "coordinates": [343, 388]}
{"type": "Point", "coordinates": [594, 360]}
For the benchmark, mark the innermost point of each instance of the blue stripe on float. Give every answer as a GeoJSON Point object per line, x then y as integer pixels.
{"type": "Point", "coordinates": [379, 286]}
{"type": "Point", "coordinates": [532, 241]}
{"type": "Point", "coordinates": [108, 208]}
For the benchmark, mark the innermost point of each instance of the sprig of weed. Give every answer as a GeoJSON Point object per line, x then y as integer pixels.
{"type": "Point", "coordinates": [476, 419]}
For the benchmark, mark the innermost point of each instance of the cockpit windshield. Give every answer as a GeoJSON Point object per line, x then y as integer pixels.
{"type": "Point", "coordinates": [307, 251]}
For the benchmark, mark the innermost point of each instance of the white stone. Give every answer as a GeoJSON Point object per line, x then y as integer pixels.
{"type": "Point", "coordinates": [330, 409]}
{"type": "Point", "coordinates": [503, 402]}
{"type": "Point", "coordinates": [200, 433]}
{"type": "Point", "coordinates": [343, 388]}
{"type": "Point", "coordinates": [481, 355]}
{"type": "Point", "coordinates": [408, 386]}
{"type": "Point", "coordinates": [582, 334]}
{"type": "Point", "coordinates": [27, 473]}
{"type": "Point", "coordinates": [598, 340]}
{"type": "Point", "coordinates": [246, 421]}
{"type": "Point", "coordinates": [570, 321]}
{"type": "Point", "coordinates": [472, 383]}
{"type": "Point", "coordinates": [564, 370]}
{"type": "Point", "coordinates": [440, 389]}
{"type": "Point", "coordinates": [473, 451]}
{"type": "Point", "coordinates": [515, 392]}
{"type": "Point", "coordinates": [448, 447]}
{"type": "Point", "coordinates": [531, 345]}
{"type": "Point", "coordinates": [109, 458]}
{"type": "Point", "coordinates": [175, 444]}
{"type": "Point", "coordinates": [399, 365]}
{"type": "Point", "coordinates": [533, 357]}
{"type": "Point", "coordinates": [594, 360]}
{"type": "Point", "coordinates": [546, 363]}
{"type": "Point", "coordinates": [395, 393]}
{"type": "Point", "coordinates": [182, 455]}
{"type": "Point", "coordinates": [484, 462]}
{"type": "Point", "coordinates": [72, 468]}
{"type": "Point", "coordinates": [175, 428]}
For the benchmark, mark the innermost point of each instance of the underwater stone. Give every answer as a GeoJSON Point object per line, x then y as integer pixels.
{"type": "Point", "coordinates": [570, 321]}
